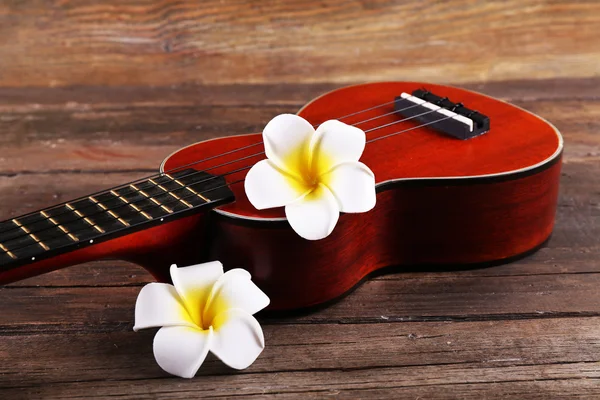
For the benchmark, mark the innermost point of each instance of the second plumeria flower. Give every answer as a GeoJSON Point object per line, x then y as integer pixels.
{"type": "Point", "coordinates": [204, 310]}
{"type": "Point", "coordinates": [315, 174]}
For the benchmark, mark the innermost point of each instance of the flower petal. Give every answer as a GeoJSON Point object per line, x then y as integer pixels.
{"type": "Point", "coordinates": [314, 216]}
{"type": "Point", "coordinates": [235, 290]}
{"type": "Point", "coordinates": [353, 186]}
{"type": "Point", "coordinates": [335, 142]}
{"type": "Point", "coordinates": [194, 284]}
{"type": "Point", "coordinates": [238, 338]}
{"type": "Point", "coordinates": [158, 304]}
{"type": "Point", "coordinates": [287, 138]}
{"type": "Point", "coordinates": [181, 350]}
{"type": "Point", "coordinates": [266, 186]}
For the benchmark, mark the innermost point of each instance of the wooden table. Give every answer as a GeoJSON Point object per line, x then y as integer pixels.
{"type": "Point", "coordinates": [93, 94]}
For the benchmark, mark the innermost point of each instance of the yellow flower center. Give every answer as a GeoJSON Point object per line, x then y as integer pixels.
{"type": "Point", "coordinates": [306, 168]}
{"type": "Point", "coordinates": [216, 305]}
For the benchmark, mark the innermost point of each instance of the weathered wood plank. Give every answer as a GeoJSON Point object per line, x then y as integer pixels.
{"type": "Point", "coordinates": [443, 298]}
{"type": "Point", "coordinates": [139, 135]}
{"type": "Point", "coordinates": [524, 330]}
{"type": "Point", "coordinates": [117, 139]}
{"type": "Point", "coordinates": [84, 98]}
{"type": "Point", "coordinates": [536, 389]}
{"type": "Point", "coordinates": [89, 97]}
{"type": "Point", "coordinates": [130, 138]}
{"type": "Point", "coordinates": [449, 380]}
{"type": "Point", "coordinates": [136, 42]}
{"type": "Point", "coordinates": [125, 356]}
{"type": "Point", "coordinates": [97, 273]}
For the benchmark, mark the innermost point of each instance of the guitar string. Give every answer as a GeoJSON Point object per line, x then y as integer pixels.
{"type": "Point", "coordinates": [150, 186]}
{"type": "Point", "coordinates": [206, 191]}
{"type": "Point", "coordinates": [314, 126]}
{"type": "Point", "coordinates": [233, 183]}
{"type": "Point", "coordinates": [167, 192]}
{"type": "Point", "coordinates": [181, 167]}
{"type": "Point", "coordinates": [175, 200]}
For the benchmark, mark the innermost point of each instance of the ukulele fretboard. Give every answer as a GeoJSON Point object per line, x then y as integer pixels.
{"type": "Point", "coordinates": [109, 214]}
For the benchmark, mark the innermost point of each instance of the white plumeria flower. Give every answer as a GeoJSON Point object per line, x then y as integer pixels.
{"type": "Point", "coordinates": [314, 174]}
{"type": "Point", "coordinates": [204, 310]}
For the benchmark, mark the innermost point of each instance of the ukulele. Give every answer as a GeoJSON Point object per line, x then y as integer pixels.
{"type": "Point", "coordinates": [462, 180]}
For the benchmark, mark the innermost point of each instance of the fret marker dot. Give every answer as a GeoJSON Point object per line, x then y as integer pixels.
{"type": "Point", "coordinates": [92, 241]}
{"type": "Point", "coordinates": [162, 219]}
{"type": "Point", "coordinates": [32, 258]}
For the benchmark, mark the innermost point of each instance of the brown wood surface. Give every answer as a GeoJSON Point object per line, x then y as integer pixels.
{"type": "Point", "coordinates": [116, 42]}
{"type": "Point", "coordinates": [97, 93]}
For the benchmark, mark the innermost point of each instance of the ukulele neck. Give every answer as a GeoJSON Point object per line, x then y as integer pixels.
{"type": "Point", "coordinates": [106, 215]}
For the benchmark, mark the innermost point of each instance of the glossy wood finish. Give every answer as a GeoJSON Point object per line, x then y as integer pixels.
{"type": "Point", "coordinates": [517, 140]}
{"type": "Point", "coordinates": [417, 221]}
{"type": "Point", "coordinates": [155, 248]}
{"type": "Point", "coordinates": [423, 224]}
{"type": "Point", "coordinates": [502, 206]}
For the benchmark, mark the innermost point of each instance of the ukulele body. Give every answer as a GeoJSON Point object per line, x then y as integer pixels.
{"type": "Point", "coordinates": [441, 202]}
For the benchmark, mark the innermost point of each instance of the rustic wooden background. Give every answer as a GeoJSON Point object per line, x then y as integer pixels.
{"type": "Point", "coordinates": [94, 93]}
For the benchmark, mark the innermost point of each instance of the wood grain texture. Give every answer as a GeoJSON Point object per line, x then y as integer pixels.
{"type": "Point", "coordinates": [97, 93]}
{"type": "Point", "coordinates": [134, 129]}
{"type": "Point", "coordinates": [537, 347]}
{"type": "Point", "coordinates": [137, 42]}
{"type": "Point", "coordinates": [524, 330]}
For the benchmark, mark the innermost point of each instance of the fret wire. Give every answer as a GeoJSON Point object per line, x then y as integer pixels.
{"type": "Point", "coordinates": [234, 171]}
{"type": "Point", "coordinates": [187, 187]}
{"type": "Point", "coordinates": [193, 193]}
{"type": "Point", "coordinates": [184, 187]}
{"type": "Point", "coordinates": [171, 193]}
{"type": "Point", "coordinates": [42, 244]}
{"type": "Point", "coordinates": [110, 212]}
{"type": "Point", "coordinates": [10, 253]}
{"type": "Point", "coordinates": [86, 219]}
{"type": "Point", "coordinates": [59, 226]}
{"type": "Point", "coordinates": [31, 235]}
{"type": "Point", "coordinates": [175, 213]}
{"type": "Point", "coordinates": [99, 229]}
{"type": "Point", "coordinates": [152, 199]}
{"type": "Point", "coordinates": [136, 208]}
